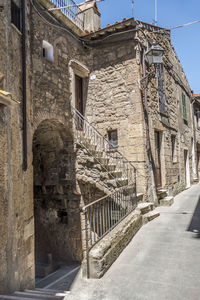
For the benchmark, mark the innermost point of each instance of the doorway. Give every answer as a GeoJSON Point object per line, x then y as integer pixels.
{"type": "Point", "coordinates": [79, 94]}
{"type": "Point", "coordinates": [187, 169]}
{"type": "Point", "coordinates": [158, 170]}
{"type": "Point", "coordinates": [56, 207]}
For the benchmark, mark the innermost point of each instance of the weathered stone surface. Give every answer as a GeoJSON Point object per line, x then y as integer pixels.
{"type": "Point", "coordinates": [108, 249]}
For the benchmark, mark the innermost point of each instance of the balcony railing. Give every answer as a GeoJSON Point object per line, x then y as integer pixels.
{"type": "Point", "coordinates": [70, 9]}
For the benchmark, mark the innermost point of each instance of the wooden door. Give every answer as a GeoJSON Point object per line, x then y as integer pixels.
{"type": "Point", "coordinates": [158, 159]}
{"type": "Point", "coordinates": [79, 94]}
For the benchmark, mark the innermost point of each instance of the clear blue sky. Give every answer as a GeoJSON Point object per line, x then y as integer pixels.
{"type": "Point", "coordinates": [171, 13]}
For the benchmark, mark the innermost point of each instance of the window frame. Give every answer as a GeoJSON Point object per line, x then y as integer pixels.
{"type": "Point", "coordinates": [114, 145]}
{"type": "Point", "coordinates": [184, 107]}
{"type": "Point", "coordinates": [16, 18]}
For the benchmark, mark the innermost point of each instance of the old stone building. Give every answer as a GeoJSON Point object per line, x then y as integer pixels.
{"type": "Point", "coordinates": [84, 116]}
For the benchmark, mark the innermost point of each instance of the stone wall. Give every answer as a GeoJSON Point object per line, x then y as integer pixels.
{"type": "Point", "coordinates": [173, 172]}
{"type": "Point", "coordinates": [114, 101]}
{"type": "Point", "coordinates": [17, 252]}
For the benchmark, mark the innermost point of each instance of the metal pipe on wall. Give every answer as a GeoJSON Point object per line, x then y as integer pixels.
{"type": "Point", "coordinates": [24, 94]}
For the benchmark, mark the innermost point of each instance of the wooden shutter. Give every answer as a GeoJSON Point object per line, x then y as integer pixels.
{"type": "Point", "coordinates": [184, 106]}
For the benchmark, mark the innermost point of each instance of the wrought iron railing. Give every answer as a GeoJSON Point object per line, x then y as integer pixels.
{"type": "Point", "coordinates": [116, 165]}
{"type": "Point", "coordinates": [102, 215]}
{"type": "Point", "coordinates": [70, 9]}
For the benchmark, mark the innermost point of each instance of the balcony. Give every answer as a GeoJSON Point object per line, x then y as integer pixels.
{"type": "Point", "coordinates": [70, 9]}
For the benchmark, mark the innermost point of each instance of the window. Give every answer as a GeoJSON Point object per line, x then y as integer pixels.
{"type": "Point", "coordinates": [161, 89]}
{"type": "Point", "coordinates": [63, 217]}
{"type": "Point", "coordinates": [15, 15]}
{"type": "Point", "coordinates": [47, 50]}
{"type": "Point", "coordinates": [113, 138]}
{"type": "Point", "coordinates": [173, 142]}
{"type": "Point", "coordinates": [197, 119]}
{"type": "Point", "coordinates": [184, 108]}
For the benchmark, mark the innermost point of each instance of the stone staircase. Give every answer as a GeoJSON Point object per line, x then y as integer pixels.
{"type": "Point", "coordinates": [147, 211]}
{"type": "Point", "coordinates": [100, 164]}
{"type": "Point", "coordinates": [36, 294]}
{"type": "Point", "coordinates": [163, 198]}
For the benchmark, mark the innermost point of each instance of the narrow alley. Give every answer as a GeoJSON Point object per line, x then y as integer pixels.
{"type": "Point", "coordinates": [161, 262]}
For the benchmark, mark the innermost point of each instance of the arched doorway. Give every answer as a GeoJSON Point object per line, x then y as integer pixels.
{"type": "Point", "coordinates": [56, 206]}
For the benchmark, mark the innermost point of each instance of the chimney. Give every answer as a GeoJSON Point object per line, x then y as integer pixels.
{"type": "Point", "coordinates": [89, 13]}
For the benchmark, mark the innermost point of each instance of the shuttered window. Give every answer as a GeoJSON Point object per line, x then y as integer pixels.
{"type": "Point", "coordinates": [184, 108]}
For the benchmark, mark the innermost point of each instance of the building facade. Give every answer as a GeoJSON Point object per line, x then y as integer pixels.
{"type": "Point", "coordinates": [60, 84]}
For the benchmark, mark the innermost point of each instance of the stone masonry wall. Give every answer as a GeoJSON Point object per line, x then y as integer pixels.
{"type": "Point", "coordinates": [114, 101]}
{"type": "Point", "coordinates": [173, 172]}
{"type": "Point", "coordinates": [16, 230]}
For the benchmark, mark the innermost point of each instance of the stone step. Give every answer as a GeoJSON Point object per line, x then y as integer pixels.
{"type": "Point", "coordinates": [97, 153]}
{"type": "Point", "coordinates": [145, 207]}
{"type": "Point", "coordinates": [167, 201]}
{"type": "Point", "coordinates": [103, 160]}
{"type": "Point", "coordinates": [128, 191]}
{"type": "Point", "coordinates": [140, 197]}
{"type": "Point", "coordinates": [161, 193]}
{"type": "Point", "coordinates": [150, 216]}
{"type": "Point", "coordinates": [36, 295]}
{"type": "Point", "coordinates": [13, 297]}
{"type": "Point", "coordinates": [111, 167]}
{"type": "Point", "coordinates": [90, 147]}
{"type": "Point", "coordinates": [122, 181]}
{"type": "Point", "coordinates": [116, 173]}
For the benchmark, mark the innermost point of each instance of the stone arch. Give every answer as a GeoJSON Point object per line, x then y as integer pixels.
{"type": "Point", "coordinates": [56, 206]}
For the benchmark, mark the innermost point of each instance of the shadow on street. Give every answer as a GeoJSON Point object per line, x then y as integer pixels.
{"type": "Point", "coordinates": [194, 225]}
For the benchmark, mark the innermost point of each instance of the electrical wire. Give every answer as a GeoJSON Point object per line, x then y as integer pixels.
{"type": "Point", "coordinates": [56, 26]}
{"type": "Point", "coordinates": [187, 24]}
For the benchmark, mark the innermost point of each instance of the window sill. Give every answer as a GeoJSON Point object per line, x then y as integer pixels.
{"type": "Point", "coordinates": [16, 29]}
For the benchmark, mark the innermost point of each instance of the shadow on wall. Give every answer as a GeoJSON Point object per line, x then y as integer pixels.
{"type": "Point", "coordinates": [195, 221]}
{"type": "Point", "coordinates": [56, 207]}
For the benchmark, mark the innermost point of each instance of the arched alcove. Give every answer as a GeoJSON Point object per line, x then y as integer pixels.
{"type": "Point", "coordinates": [56, 207]}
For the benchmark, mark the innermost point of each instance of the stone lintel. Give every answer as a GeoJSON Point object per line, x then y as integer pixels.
{"type": "Point", "coordinates": [79, 68]}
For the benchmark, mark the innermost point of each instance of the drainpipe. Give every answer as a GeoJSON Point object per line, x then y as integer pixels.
{"type": "Point", "coordinates": [24, 104]}
{"type": "Point", "coordinates": [149, 151]}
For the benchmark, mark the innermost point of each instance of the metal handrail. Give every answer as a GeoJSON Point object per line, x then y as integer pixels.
{"type": "Point", "coordinates": [110, 153]}
{"type": "Point", "coordinates": [70, 9]}
{"type": "Point", "coordinates": [103, 215]}
{"type": "Point", "coordinates": [110, 145]}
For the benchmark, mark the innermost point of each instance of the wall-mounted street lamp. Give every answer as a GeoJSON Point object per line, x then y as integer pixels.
{"type": "Point", "coordinates": [154, 54]}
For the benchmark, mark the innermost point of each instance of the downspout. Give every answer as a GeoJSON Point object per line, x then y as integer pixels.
{"type": "Point", "coordinates": [146, 116]}
{"type": "Point", "coordinates": [24, 103]}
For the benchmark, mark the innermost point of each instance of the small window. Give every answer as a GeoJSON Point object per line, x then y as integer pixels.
{"type": "Point", "coordinates": [113, 138]}
{"type": "Point", "coordinates": [173, 141]}
{"type": "Point", "coordinates": [47, 50]}
{"type": "Point", "coordinates": [63, 216]}
{"type": "Point", "coordinates": [15, 15]}
{"type": "Point", "coordinates": [184, 107]}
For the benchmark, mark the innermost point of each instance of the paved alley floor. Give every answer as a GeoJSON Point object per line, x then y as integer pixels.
{"type": "Point", "coordinates": [161, 262]}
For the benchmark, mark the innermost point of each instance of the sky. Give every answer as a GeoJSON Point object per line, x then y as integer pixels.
{"type": "Point", "coordinates": [171, 13]}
